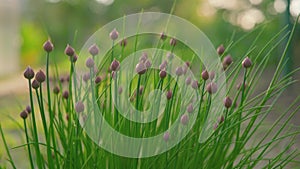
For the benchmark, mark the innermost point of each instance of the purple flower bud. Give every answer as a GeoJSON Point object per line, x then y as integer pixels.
{"type": "Point", "coordinates": [179, 71]}
{"type": "Point", "coordinates": [120, 90]}
{"type": "Point", "coordinates": [35, 84]}
{"type": "Point", "coordinates": [28, 73]}
{"type": "Point", "coordinates": [173, 42]}
{"type": "Point", "coordinates": [113, 75]}
{"type": "Point", "coordinates": [114, 34]}
{"type": "Point", "coordinates": [48, 46]}
{"type": "Point", "coordinates": [190, 108]}
{"type": "Point", "coordinates": [163, 65]}
{"type": "Point", "coordinates": [98, 80]}
{"type": "Point", "coordinates": [65, 95]}
{"type": "Point", "coordinates": [40, 76]}
{"type": "Point", "coordinates": [184, 119]}
{"type": "Point", "coordinates": [86, 77]}
{"type": "Point", "coordinates": [188, 80]}
{"type": "Point", "coordinates": [140, 68]}
{"type": "Point", "coordinates": [89, 63]}
{"type": "Point", "coordinates": [28, 109]}
{"type": "Point", "coordinates": [169, 94]}
{"type": "Point", "coordinates": [221, 49]}
{"type": "Point", "coordinates": [212, 75]}
{"type": "Point", "coordinates": [148, 64]}
{"type": "Point", "coordinates": [115, 65]}
{"type": "Point", "coordinates": [163, 36]}
{"type": "Point", "coordinates": [227, 60]}
{"type": "Point", "coordinates": [23, 114]}
{"type": "Point", "coordinates": [79, 107]}
{"type": "Point", "coordinates": [205, 75]}
{"type": "Point", "coordinates": [227, 102]}
{"type": "Point", "coordinates": [247, 63]}
{"type": "Point", "coordinates": [144, 57]}
{"type": "Point", "coordinates": [195, 84]}
{"type": "Point", "coordinates": [166, 136]}
{"type": "Point", "coordinates": [162, 74]}
{"type": "Point", "coordinates": [56, 90]}
{"type": "Point", "coordinates": [74, 58]}
{"type": "Point", "coordinates": [123, 43]}
{"type": "Point", "coordinates": [69, 50]}
{"type": "Point", "coordinates": [212, 88]}
{"type": "Point", "coordinates": [94, 50]}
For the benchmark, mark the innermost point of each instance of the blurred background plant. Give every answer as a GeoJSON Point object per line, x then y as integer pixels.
{"type": "Point", "coordinates": [25, 25]}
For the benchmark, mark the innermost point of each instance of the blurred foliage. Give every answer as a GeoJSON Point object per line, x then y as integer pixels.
{"type": "Point", "coordinates": [73, 21]}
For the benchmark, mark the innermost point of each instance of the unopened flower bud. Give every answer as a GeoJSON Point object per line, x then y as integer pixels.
{"type": "Point", "coordinates": [227, 102]}
{"type": "Point", "coordinates": [190, 108]}
{"type": "Point", "coordinates": [140, 68]}
{"type": "Point", "coordinates": [40, 76]}
{"type": "Point", "coordinates": [205, 75]}
{"type": "Point", "coordinates": [28, 73]}
{"type": "Point", "coordinates": [212, 75]}
{"type": "Point", "coordinates": [212, 88]}
{"type": "Point", "coordinates": [48, 46]}
{"type": "Point", "coordinates": [86, 77]}
{"type": "Point", "coordinates": [188, 80]}
{"type": "Point", "coordinates": [195, 84]}
{"type": "Point", "coordinates": [98, 80]}
{"type": "Point", "coordinates": [23, 114]}
{"type": "Point", "coordinates": [169, 94]}
{"type": "Point", "coordinates": [115, 65]}
{"type": "Point", "coordinates": [65, 95]}
{"type": "Point", "coordinates": [114, 34]}
{"type": "Point", "coordinates": [35, 84]}
{"type": "Point", "coordinates": [166, 136]}
{"type": "Point", "coordinates": [148, 64]}
{"type": "Point", "coordinates": [69, 50]}
{"type": "Point", "coordinates": [94, 50]}
{"type": "Point", "coordinates": [184, 119]}
{"type": "Point", "coordinates": [227, 60]}
{"type": "Point", "coordinates": [28, 109]}
{"type": "Point", "coordinates": [79, 107]}
{"type": "Point", "coordinates": [221, 49]}
{"type": "Point", "coordinates": [179, 71]}
{"type": "Point", "coordinates": [89, 63]}
{"type": "Point", "coordinates": [162, 74]}
{"type": "Point", "coordinates": [123, 43]}
{"type": "Point", "coordinates": [247, 63]}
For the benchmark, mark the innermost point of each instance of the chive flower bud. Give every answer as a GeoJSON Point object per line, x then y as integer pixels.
{"type": "Point", "coordinates": [28, 73]}
{"type": "Point", "coordinates": [94, 50]}
{"type": "Point", "coordinates": [79, 107]}
{"type": "Point", "coordinates": [114, 34]}
{"type": "Point", "coordinates": [40, 76]}
{"type": "Point", "coordinates": [220, 49]}
{"type": "Point", "coordinates": [23, 114]}
{"type": "Point", "coordinates": [69, 50]}
{"type": "Point", "coordinates": [205, 75]}
{"type": "Point", "coordinates": [247, 63]}
{"type": "Point", "coordinates": [48, 46]}
{"type": "Point", "coordinates": [184, 119]}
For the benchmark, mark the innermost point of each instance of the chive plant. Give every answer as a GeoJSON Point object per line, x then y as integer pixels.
{"type": "Point", "coordinates": [64, 143]}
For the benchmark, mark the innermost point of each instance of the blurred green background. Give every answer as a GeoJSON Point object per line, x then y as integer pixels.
{"type": "Point", "coordinates": [26, 24]}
